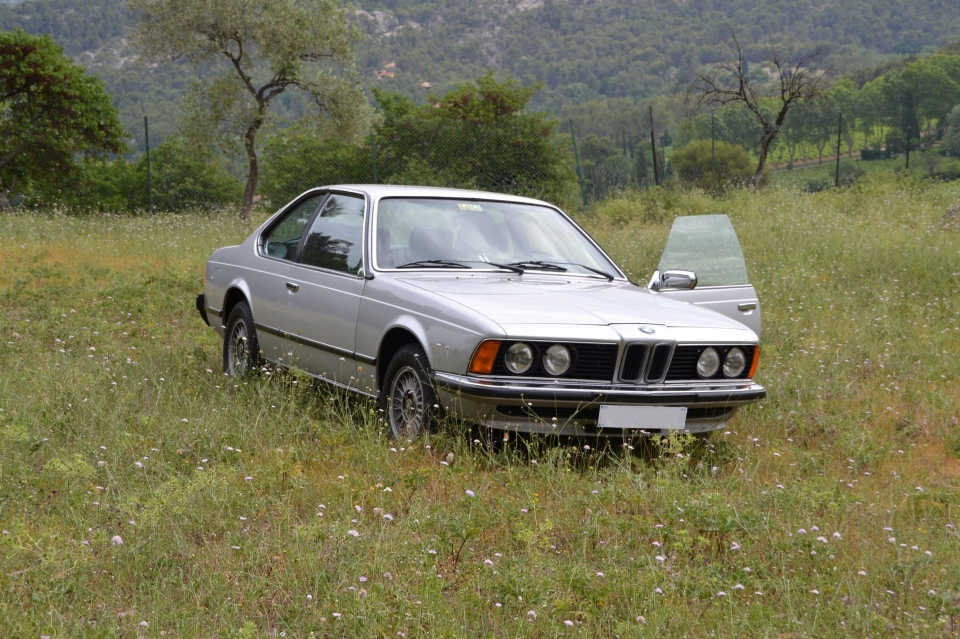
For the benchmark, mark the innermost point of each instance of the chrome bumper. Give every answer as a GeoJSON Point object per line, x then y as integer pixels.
{"type": "Point", "coordinates": [495, 403]}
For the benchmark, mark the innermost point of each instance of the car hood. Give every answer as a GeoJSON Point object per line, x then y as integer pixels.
{"type": "Point", "coordinates": [557, 300]}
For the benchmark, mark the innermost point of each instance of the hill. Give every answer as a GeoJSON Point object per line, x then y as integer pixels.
{"type": "Point", "coordinates": [582, 50]}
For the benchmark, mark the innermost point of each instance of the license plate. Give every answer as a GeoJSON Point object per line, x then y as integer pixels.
{"type": "Point", "coordinates": [642, 417]}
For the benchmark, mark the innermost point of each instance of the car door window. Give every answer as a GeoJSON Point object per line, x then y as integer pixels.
{"type": "Point", "coordinates": [335, 239]}
{"type": "Point", "coordinates": [707, 245]}
{"type": "Point", "coordinates": [281, 241]}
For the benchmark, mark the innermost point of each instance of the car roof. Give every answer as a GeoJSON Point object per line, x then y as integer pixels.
{"type": "Point", "coordinates": [379, 191]}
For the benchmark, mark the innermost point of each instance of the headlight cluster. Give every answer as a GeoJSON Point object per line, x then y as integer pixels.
{"type": "Point", "coordinates": [709, 362]}
{"type": "Point", "coordinates": [519, 359]}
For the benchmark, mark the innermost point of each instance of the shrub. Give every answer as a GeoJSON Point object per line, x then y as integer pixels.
{"type": "Point", "coordinates": [951, 141]}
{"type": "Point", "coordinates": [869, 155]}
{"type": "Point", "coordinates": [295, 161]}
{"type": "Point", "coordinates": [896, 141]}
{"type": "Point", "coordinates": [948, 170]}
{"type": "Point", "coordinates": [850, 172]}
{"type": "Point", "coordinates": [694, 165]}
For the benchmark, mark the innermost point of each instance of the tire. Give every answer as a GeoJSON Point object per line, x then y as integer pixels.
{"type": "Point", "coordinates": [407, 399]}
{"type": "Point", "coordinates": [241, 350]}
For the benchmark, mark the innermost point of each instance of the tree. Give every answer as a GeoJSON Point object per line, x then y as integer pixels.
{"type": "Point", "coordinates": [695, 164]}
{"type": "Point", "coordinates": [267, 47]}
{"type": "Point", "coordinates": [51, 111]}
{"type": "Point", "coordinates": [726, 82]}
{"type": "Point", "coordinates": [951, 141]}
{"type": "Point", "coordinates": [846, 97]}
{"type": "Point", "coordinates": [477, 135]}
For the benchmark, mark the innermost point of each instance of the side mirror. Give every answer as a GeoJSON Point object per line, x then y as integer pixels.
{"type": "Point", "coordinates": [673, 281]}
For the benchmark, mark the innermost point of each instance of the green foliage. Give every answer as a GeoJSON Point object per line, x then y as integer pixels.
{"type": "Point", "coordinates": [265, 49]}
{"type": "Point", "coordinates": [478, 135]}
{"type": "Point", "coordinates": [51, 111]}
{"type": "Point", "coordinates": [896, 141]}
{"type": "Point", "coordinates": [695, 165]}
{"type": "Point", "coordinates": [951, 141]}
{"type": "Point", "coordinates": [182, 179]}
{"type": "Point", "coordinates": [850, 173]}
{"type": "Point", "coordinates": [294, 161]}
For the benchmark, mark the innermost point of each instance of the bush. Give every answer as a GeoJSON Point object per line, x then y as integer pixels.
{"type": "Point", "coordinates": [295, 161]}
{"type": "Point", "coordinates": [896, 142]}
{"type": "Point", "coordinates": [694, 165]}
{"type": "Point", "coordinates": [850, 172]}
{"type": "Point", "coordinates": [948, 170]}
{"type": "Point", "coordinates": [869, 155]}
{"type": "Point", "coordinates": [183, 179]}
{"type": "Point", "coordinates": [951, 141]}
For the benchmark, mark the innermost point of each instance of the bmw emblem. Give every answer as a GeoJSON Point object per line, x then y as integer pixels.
{"type": "Point", "coordinates": [647, 330]}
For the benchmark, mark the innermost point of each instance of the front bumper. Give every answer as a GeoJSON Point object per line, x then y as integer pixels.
{"type": "Point", "coordinates": [571, 408]}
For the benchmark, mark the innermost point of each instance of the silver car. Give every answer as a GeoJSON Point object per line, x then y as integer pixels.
{"type": "Point", "coordinates": [496, 309]}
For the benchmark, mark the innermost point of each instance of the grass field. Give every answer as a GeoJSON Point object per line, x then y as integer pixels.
{"type": "Point", "coordinates": [271, 508]}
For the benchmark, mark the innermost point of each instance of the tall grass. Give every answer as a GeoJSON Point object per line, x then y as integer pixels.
{"type": "Point", "coordinates": [271, 508]}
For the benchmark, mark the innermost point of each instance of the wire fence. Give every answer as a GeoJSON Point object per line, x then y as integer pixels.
{"type": "Point", "coordinates": [818, 147]}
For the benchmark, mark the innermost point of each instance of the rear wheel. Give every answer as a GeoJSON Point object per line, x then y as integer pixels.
{"type": "Point", "coordinates": [241, 351]}
{"type": "Point", "coordinates": [407, 399]}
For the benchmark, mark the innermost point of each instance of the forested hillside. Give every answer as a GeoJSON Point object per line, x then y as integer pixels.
{"type": "Point", "coordinates": [582, 50]}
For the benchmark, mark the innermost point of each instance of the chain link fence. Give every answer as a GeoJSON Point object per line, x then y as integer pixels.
{"type": "Point", "coordinates": [819, 146]}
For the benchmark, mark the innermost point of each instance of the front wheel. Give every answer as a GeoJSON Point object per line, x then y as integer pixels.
{"type": "Point", "coordinates": [407, 399]}
{"type": "Point", "coordinates": [241, 351]}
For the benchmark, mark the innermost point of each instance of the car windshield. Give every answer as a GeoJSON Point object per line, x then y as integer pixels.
{"type": "Point", "coordinates": [447, 233]}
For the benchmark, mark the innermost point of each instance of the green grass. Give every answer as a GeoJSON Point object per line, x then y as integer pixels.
{"type": "Point", "coordinates": [236, 502]}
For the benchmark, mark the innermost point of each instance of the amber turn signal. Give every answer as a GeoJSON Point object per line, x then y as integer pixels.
{"type": "Point", "coordinates": [484, 357]}
{"type": "Point", "coordinates": [756, 362]}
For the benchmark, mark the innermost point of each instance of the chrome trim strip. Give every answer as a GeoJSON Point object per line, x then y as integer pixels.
{"type": "Point", "coordinates": [299, 339]}
{"type": "Point", "coordinates": [730, 393]}
{"type": "Point", "coordinates": [325, 380]}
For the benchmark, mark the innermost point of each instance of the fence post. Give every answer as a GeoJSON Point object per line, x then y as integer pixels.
{"type": "Point", "coordinates": [836, 179]}
{"type": "Point", "coordinates": [146, 135]}
{"type": "Point", "coordinates": [653, 148]}
{"type": "Point", "coordinates": [713, 151]}
{"type": "Point", "coordinates": [576, 158]}
{"type": "Point", "coordinates": [373, 157]}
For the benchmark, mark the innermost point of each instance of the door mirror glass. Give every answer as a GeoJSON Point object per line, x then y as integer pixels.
{"type": "Point", "coordinates": [706, 245]}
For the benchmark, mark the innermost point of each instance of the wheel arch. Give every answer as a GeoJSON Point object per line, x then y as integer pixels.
{"type": "Point", "coordinates": [395, 339]}
{"type": "Point", "coordinates": [235, 295]}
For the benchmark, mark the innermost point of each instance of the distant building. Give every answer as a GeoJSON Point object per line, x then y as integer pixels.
{"type": "Point", "coordinates": [388, 71]}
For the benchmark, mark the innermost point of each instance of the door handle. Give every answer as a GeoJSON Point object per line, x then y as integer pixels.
{"type": "Point", "coordinates": [293, 287]}
{"type": "Point", "coordinates": [749, 306]}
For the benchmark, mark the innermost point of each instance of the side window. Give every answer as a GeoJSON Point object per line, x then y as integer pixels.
{"type": "Point", "coordinates": [281, 241]}
{"type": "Point", "coordinates": [335, 241]}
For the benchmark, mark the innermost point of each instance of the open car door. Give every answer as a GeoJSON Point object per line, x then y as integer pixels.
{"type": "Point", "coordinates": [703, 264]}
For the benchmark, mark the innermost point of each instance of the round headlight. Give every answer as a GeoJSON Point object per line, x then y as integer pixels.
{"type": "Point", "coordinates": [734, 362]}
{"type": "Point", "coordinates": [556, 361]}
{"type": "Point", "coordinates": [708, 363]}
{"type": "Point", "coordinates": [519, 358]}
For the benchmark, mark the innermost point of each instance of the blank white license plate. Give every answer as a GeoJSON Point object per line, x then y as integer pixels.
{"type": "Point", "coordinates": [642, 417]}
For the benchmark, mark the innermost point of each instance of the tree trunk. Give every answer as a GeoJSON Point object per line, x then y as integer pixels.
{"type": "Point", "coordinates": [253, 176]}
{"type": "Point", "coordinates": [762, 163]}
{"type": "Point", "coordinates": [4, 201]}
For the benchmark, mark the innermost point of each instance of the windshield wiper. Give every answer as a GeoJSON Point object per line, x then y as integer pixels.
{"type": "Point", "coordinates": [510, 267]}
{"type": "Point", "coordinates": [597, 271]}
{"type": "Point", "coordinates": [535, 265]}
{"type": "Point", "coordinates": [547, 266]}
{"type": "Point", "coordinates": [435, 263]}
